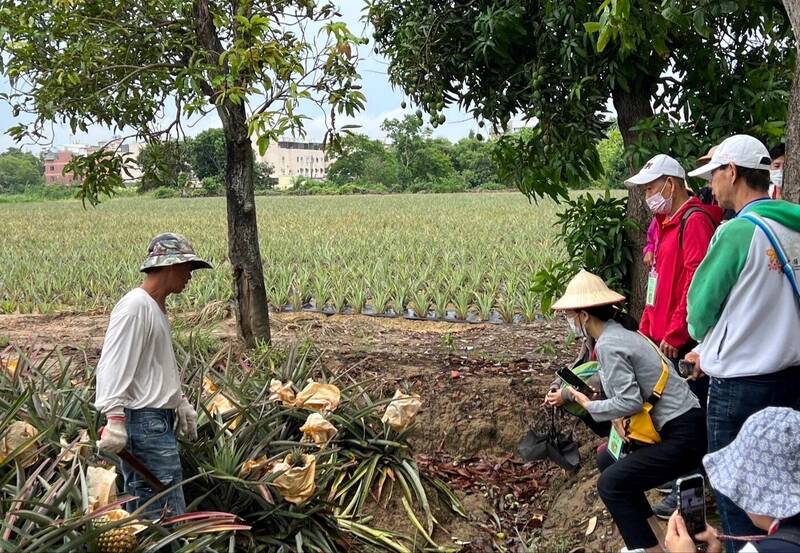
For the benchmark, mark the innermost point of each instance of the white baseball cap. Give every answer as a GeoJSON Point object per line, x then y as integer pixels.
{"type": "Point", "coordinates": [659, 166]}
{"type": "Point", "coordinates": [740, 149]}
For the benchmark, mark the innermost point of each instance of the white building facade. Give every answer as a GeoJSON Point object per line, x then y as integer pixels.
{"type": "Point", "coordinates": [291, 159]}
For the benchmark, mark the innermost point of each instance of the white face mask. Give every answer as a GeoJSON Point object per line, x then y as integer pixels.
{"type": "Point", "coordinates": [658, 203]}
{"type": "Point", "coordinates": [776, 176]}
{"type": "Point", "coordinates": [575, 328]}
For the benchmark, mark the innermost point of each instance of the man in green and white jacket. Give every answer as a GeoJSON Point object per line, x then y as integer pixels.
{"type": "Point", "coordinates": [742, 308]}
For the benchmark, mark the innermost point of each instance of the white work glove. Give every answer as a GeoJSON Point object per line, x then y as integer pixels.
{"type": "Point", "coordinates": [187, 419]}
{"type": "Point", "coordinates": [113, 436]}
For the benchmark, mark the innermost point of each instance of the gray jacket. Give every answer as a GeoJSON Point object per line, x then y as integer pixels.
{"type": "Point", "coordinates": [629, 370]}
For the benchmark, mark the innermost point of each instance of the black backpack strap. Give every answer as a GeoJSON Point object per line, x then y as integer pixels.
{"type": "Point", "coordinates": [688, 213]}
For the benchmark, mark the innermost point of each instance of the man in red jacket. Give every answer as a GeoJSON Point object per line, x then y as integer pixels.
{"type": "Point", "coordinates": [685, 227]}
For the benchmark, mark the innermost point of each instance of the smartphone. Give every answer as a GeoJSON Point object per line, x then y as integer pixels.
{"type": "Point", "coordinates": [685, 368]}
{"type": "Point", "coordinates": [692, 503]}
{"type": "Point", "coordinates": [574, 380]}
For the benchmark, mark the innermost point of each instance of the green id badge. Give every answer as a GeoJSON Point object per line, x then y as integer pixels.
{"type": "Point", "coordinates": [615, 443]}
{"type": "Point", "coordinates": [651, 288]}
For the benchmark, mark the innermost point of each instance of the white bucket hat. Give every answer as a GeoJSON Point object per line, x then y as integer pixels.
{"type": "Point", "coordinates": [656, 167]}
{"type": "Point", "coordinates": [760, 470]}
{"type": "Point", "coordinates": [740, 149]}
{"type": "Point", "coordinates": [586, 290]}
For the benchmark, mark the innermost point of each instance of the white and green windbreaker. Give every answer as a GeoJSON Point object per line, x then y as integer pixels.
{"type": "Point", "coordinates": [741, 306]}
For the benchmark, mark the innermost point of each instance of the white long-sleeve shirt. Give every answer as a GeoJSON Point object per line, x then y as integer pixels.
{"type": "Point", "coordinates": [137, 367]}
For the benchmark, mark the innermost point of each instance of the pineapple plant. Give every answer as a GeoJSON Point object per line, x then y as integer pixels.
{"type": "Point", "coordinates": [229, 471]}
{"type": "Point", "coordinates": [268, 452]}
{"type": "Point", "coordinates": [49, 400]}
{"type": "Point", "coordinates": [295, 458]}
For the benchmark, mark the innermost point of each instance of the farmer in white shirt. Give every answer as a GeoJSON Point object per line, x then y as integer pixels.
{"type": "Point", "coordinates": [138, 385]}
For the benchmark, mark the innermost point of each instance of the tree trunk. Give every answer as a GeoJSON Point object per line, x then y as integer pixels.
{"type": "Point", "coordinates": [631, 108]}
{"type": "Point", "coordinates": [791, 177]}
{"type": "Point", "coordinates": [252, 311]}
{"type": "Point", "coordinates": [243, 250]}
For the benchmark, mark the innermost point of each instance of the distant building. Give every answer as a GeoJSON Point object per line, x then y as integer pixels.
{"type": "Point", "coordinates": [289, 159]}
{"type": "Point", "coordinates": [293, 159]}
{"type": "Point", "coordinates": [56, 160]}
{"type": "Point", "coordinates": [131, 150]}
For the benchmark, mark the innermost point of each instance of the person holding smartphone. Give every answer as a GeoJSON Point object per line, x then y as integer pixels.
{"type": "Point", "coordinates": [630, 368]}
{"type": "Point", "coordinates": [560, 396]}
{"type": "Point", "coordinates": [742, 307]}
{"type": "Point", "coordinates": [759, 473]}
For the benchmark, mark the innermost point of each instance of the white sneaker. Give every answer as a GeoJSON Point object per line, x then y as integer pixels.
{"type": "Point", "coordinates": [626, 550]}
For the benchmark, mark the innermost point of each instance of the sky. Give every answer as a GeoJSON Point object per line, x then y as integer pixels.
{"type": "Point", "coordinates": [383, 102]}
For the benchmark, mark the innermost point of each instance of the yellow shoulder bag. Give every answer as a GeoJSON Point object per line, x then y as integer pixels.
{"type": "Point", "coordinates": [639, 427]}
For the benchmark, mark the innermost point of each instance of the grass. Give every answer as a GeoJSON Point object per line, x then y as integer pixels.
{"type": "Point", "coordinates": [345, 254]}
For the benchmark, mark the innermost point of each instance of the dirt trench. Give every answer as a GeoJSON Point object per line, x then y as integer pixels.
{"type": "Point", "coordinates": [481, 385]}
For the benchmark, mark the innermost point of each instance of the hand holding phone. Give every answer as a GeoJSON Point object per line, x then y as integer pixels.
{"type": "Point", "coordinates": [692, 503]}
{"type": "Point", "coordinates": [685, 368]}
{"type": "Point", "coordinates": [575, 381]}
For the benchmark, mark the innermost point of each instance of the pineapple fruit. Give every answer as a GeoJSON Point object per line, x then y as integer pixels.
{"type": "Point", "coordinates": [117, 540]}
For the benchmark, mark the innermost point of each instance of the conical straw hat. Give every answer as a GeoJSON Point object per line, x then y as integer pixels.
{"type": "Point", "coordinates": [702, 160]}
{"type": "Point", "coordinates": [586, 290]}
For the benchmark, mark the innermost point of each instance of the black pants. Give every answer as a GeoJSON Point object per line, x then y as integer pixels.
{"type": "Point", "coordinates": [622, 484]}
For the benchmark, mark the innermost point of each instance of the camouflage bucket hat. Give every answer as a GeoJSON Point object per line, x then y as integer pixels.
{"type": "Point", "coordinates": [171, 249]}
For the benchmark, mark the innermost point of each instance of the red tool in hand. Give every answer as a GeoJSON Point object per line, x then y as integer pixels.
{"type": "Point", "coordinates": [136, 464]}
{"type": "Point", "coordinates": [140, 468]}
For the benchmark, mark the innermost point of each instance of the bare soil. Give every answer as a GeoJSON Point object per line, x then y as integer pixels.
{"type": "Point", "coordinates": [481, 385]}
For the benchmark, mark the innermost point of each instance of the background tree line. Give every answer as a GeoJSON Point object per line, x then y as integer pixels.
{"type": "Point", "coordinates": [412, 160]}
{"type": "Point", "coordinates": [194, 166]}
{"type": "Point", "coordinates": [19, 170]}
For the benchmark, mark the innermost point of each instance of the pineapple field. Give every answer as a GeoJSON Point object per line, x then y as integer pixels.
{"type": "Point", "coordinates": [445, 256]}
{"type": "Point", "coordinates": [362, 427]}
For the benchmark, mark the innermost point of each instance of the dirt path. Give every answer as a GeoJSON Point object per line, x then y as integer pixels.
{"type": "Point", "coordinates": [354, 333]}
{"type": "Point", "coordinates": [481, 385]}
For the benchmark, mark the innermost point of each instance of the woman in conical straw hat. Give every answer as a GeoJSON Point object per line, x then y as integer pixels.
{"type": "Point", "coordinates": [631, 370]}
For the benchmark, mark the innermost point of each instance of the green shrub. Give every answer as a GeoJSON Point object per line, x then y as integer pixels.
{"type": "Point", "coordinates": [307, 186]}
{"type": "Point", "coordinates": [594, 232]}
{"type": "Point", "coordinates": [363, 188]}
{"type": "Point", "coordinates": [453, 182]}
{"type": "Point", "coordinates": [41, 193]}
{"type": "Point", "coordinates": [447, 184]}
{"type": "Point", "coordinates": [164, 192]}
{"type": "Point", "coordinates": [212, 186]}
{"type": "Point", "coordinates": [493, 186]}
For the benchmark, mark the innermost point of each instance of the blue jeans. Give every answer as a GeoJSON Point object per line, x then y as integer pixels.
{"type": "Point", "coordinates": [151, 439]}
{"type": "Point", "coordinates": [730, 402]}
